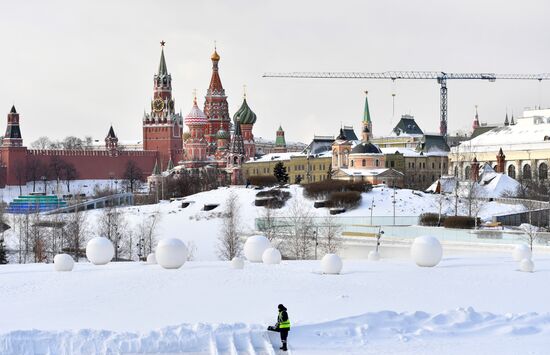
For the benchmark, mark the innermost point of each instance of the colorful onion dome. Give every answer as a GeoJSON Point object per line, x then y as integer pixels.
{"type": "Point", "coordinates": [196, 116]}
{"type": "Point", "coordinates": [244, 114]}
{"type": "Point", "coordinates": [222, 134]}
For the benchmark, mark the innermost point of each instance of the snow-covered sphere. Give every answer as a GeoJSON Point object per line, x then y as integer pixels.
{"type": "Point", "coordinates": [171, 253]}
{"type": "Point", "coordinates": [254, 248]}
{"type": "Point", "coordinates": [237, 263]}
{"type": "Point", "coordinates": [100, 250]}
{"type": "Point", "coordinates": [151, 258]}
{"type": "Point", "coordinates": [271, 256]}
{"type": "Point", "coordinates": [374, 255]}
{"type": "Point", "coordinates": [527, 265]}
{"type": "Point", "coordinates": [426, 251]}
{"type": "Point", "coordinates": [521, 251]}
{"type": "Point", "coordinates": [331, 264]}
{"type": "Point", "coordinates": [63, 262]}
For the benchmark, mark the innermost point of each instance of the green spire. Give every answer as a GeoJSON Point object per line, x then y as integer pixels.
{"type": "Point", "coordinates": [156, 169]}
{"type": "Point", "coordinates": [163, 70]}
{"type": "Point", "coordinates": [170, 165]}
{"type": "Point", "coordinates": [366, 114]}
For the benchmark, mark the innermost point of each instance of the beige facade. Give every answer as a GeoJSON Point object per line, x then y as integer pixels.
{"type": "Point", "coordinates": [300, 168]}
{"type": "Point", "coordinates": [525, 145]}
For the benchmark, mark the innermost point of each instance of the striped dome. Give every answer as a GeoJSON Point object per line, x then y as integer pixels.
{"type": "Point", "coordinates": [196, 116]}
{"type": "Point", "coordinates": [244, 114]}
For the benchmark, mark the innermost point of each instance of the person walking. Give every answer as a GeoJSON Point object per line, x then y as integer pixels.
{"type": "Point", "coordinates": [282, 326]}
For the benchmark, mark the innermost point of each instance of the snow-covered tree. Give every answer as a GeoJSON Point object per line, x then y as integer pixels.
{"type": "Point", "coordinates": [146, 236]}
{"type": "Point", "coordinates": [230, 244]}
{"type": "Point", "coordinates": [299, 236]}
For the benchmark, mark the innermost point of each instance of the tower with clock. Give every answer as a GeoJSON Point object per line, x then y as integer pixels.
{"type": "Point", "coordinates": [162, 126]}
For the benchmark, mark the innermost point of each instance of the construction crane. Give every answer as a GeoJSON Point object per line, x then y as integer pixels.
{"type": "Point", "coordinates": [441, 78]}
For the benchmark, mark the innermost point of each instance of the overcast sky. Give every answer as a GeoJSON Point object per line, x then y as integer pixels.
{"type": "Point", "coordinates": [75, 67]}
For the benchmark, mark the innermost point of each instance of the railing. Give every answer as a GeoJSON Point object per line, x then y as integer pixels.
{"type": "Point", "coordinates": [122, 199]}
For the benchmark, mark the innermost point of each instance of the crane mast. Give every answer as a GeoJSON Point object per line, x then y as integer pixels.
{"type": "Point", "coordinates": [441, 78]}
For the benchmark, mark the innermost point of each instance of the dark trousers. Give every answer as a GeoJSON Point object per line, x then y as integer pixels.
{"type": "Point", "coordinates": [282, 332]}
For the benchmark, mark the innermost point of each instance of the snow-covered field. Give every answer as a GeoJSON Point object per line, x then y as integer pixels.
{"type": "Point", "coordinates": [469, 304]}
{"type": "Point", "coordinates": [466, 305]}
{"type": "Point", "coordinates": [191, 224]}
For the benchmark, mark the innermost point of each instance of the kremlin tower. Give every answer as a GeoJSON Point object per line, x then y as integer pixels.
{"type": "Point", "coordinates": [162, 127]}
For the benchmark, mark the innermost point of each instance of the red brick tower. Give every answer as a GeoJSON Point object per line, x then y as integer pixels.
{"type": "Point", "coordinates": [474, 170]}
{"type": "Point", "coordinates": [215, 106]}
{"type": "Point", "coordinates": [13, 155]}
{"type": "Point", "coordinates": [501, 160]}
{"type": "Point", "coordinates": [162, 127]}
{"type": "Point", "coordinates": [475, 124]}
{"type": "Point", "coordinates": [195, 145]}
{"type": "Point", "coordinates": [111, 142]}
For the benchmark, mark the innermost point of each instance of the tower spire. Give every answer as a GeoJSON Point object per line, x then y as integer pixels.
{"type": "Point", "coordinates": [163, 70]}
{"type": "Point", "coordinates": [367, 122]}
{"type": "Point", "coordinates": [476, 124]}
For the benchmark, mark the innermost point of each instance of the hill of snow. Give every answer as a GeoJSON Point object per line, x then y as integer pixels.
{"type": "Point", "coordinates": [473, 305]}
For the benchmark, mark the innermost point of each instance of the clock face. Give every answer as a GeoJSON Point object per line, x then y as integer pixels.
{"type": "Point", "coordinates": [158, 105]}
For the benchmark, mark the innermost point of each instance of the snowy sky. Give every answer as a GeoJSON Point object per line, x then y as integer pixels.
{"type": "Point", "coordinates": [73, 68]}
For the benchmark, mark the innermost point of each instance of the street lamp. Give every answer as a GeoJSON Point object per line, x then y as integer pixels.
{"type": "Point", "coordinates": [378, 236]}
{"type": "Point", "coordinates": [371, 208]}
{"type": "Point", "coordinates": [316, 242]}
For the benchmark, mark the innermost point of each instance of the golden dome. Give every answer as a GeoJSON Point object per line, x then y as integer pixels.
{"type": "Point", "coordinates": [215, 56]}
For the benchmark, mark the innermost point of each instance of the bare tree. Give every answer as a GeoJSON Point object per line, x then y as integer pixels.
{"type": "Point", "coordinates": [72, 142]}
{"type": "Point", "coordinates": [300, 230]}
{"type": "Point", "coordinates": [230, 244]}
{"type": "Point", "coordinates": [35, 170]}
{"type": "Point", "coordinates": [113, 226]}
{"type": "Point", "coordinates": [330, 235]}
{"type": "Point", "coordinates": [69, 173]}
{"type": "Point", "coordinates": [56, 167]}
{"type": "Point", "coordinates": [132, 174]}
{"type": "Point", "coordinates": [42, 142]}
{"type": "Point", "coordinates": [77, 231]}
{"type": "Point", "coordinates": [145, 233]}
{"type": "Point", "coordinates": [20, 175]}
{"type": "Point", "coordinates": [268, 225]}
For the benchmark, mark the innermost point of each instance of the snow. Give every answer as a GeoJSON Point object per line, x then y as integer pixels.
{"type": "Point", "coordinates": [63, 262]}
{"type": "Point", "coordinates": [426, 251]}
{"type": "Point", "coordinates": [254, 248]}
{"type": "Point", "coordinates": [521, 251]}
{"type": "Point", "coordinates": [527, 265]}
{"type": "Point", "coordinates": [271, 256]}
{"type": "Point", "coordinates": [100, 250]}
{"type": "Point", "coordinates": [490, 185]}
{"type": "Point", "coordinates": [171, 253]}
{"type": "Point", "coordinates": [331, 264]}
{"type": "Point", "coordinates": [387, 307]}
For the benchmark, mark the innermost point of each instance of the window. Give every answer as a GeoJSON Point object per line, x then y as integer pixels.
{"type": "Point", "coordinates": [376, 162]}
{"type": "Point", "coordinates": [456, 171]}
{"type": "Point", "coordinates": [512, 171]}
{"type": "Point", "coordinates": [526, 171]}
{"type": "Point", "coordinates": [364, 162]}
{"type": "Point", "coordinates": [352, 163]}
{"type": "Point", "coordinates": [433, 165]}
{"type": "Point", "coordinates": [467, 172]}
{"type": "Point", "coordinates": [392, 164]}
{"type": "Point", "coordinates": [543, 171]}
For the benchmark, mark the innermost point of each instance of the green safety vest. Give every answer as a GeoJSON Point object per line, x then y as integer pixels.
{"type": "Point", "coordinates": [283, 324]}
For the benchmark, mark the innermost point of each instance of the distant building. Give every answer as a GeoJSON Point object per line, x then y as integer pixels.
{"type": "Point", "coordinates": [520, 148]}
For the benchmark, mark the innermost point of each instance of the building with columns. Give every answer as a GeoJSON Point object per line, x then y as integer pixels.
{"type": "Point", "coordinates": [521, 150]}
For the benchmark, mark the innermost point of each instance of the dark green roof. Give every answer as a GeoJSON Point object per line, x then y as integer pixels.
{"type": "Point", "coordinates": [244, 114]}
{"type": "Point", "coordinates": [156, 169]}
{"type": "Point", "coordinates": [407, 125]}
{"type": "Point", "coordinates": [13, 109]}
{"type": "Point", "coordinates": [366, 114]}
{"type": "Point", "coordinates": [170, 165]}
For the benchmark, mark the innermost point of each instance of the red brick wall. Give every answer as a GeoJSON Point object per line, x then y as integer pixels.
{"type": "Point", "coordinates": [89, 164]}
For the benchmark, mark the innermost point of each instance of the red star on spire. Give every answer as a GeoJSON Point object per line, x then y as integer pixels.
{"type": "Point", "coordinates": [162, 43]}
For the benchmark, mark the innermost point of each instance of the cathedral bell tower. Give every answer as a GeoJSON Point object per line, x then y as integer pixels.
{"type": "Point", "coordinates": [162, 126]}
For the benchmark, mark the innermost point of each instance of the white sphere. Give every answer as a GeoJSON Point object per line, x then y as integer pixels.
{"type": "Point", "coordinates": [521, 251]}
{"type": "Point", "coordinates": [426, 251]}
{"type": "Point", "coordinates": [63, 262]}
{"type": "Point", "coordinates": [254, 248]}
{"type": "Point", "coordinates": [237, 263]}
{"type": "Point", "coordinates": [100, 250]}
{"type": "Point", "coordinates": [151, 258]}
{"type": "Point", "coordinates": [331, 264]}
{"type": "Point", "coordinates": [271, 256]}
{"type": "Point", "coordinates": [171, 253]}
{"type": "Point", "coordinates": [374, 255]}
{"type": "Point", "coordinates": [527, 265]}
